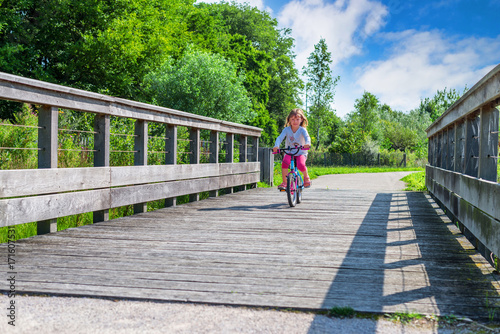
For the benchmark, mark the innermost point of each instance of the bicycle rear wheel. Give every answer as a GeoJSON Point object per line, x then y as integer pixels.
{"type": "Point", "coordinates": [291, 189]}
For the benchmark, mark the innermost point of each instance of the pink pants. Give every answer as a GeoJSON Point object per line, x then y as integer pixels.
{"type": "Point", "coordinates": [301, 162]}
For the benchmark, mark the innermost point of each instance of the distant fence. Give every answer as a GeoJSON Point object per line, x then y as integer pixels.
{"type": "Point", "coordinates": [463, 158]}
{"type": "Point", "coordinates": [42, 195]}
{"type": "Point", "coordinates": [398, 159]}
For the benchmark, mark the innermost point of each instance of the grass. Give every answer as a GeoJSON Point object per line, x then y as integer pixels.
{"type": "Point", "coordinates": [314, 171]}
{"type": "Point", "coordinates": [404, 317]}
{"type": "Point", "coordinates": [341, 312]}
{"type": "Point", "coordinates": [415, 182]}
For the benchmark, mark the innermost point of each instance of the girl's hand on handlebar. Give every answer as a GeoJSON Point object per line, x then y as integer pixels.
{"type": "Point", "coordinates": [275, 149]}
{"type": "Point", "coordinates": [306, 147]}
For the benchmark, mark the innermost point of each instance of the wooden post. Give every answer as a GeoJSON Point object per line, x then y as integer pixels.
{"type": "Point", "coordinates": [229, 154]}
{"type": "Point", "coordinates": [141, 154]}
{"type": "Point", "coordinates": [213, 157]}
{"type": "Point", "coordinates": [460, 147]}
{"type": "Point", "coordinates": [47, 155]}
{"type": "Point", "coordinates": [472, 147]}
{"type": "Point", "coordinates": [243, 148]}
{"type": "Point", "coordinates": [171, 155]}
{"type": "Point", "coordinates": [455, 148]}
{"type": "Point", "coordinates": [266, 159]}
{"type": "Point", "coordinates": [194, 158]}
{"type": "Point", "coordinates": [254, 153]}
{"type": "Point", "coordinates": [439, 145]}
{"type": "Point", "coordinates": [444, 149]}
{"type": "Point", "coordinates": [243, 156]}
{"type": "Point", "coordinates": [451, 149]}
{"type": "Point", "coordinates": [488, 143]}
{"type": "Point", "coordinates": [254, 156]}
{"type": "Point", "coordinates": [101, 154]}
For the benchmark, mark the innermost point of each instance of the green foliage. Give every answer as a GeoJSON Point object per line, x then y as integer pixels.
{"type": "Point", "coordinates": [23, 139]}
{"type": "Point", "coordinates": [320, 90]}
{"type": "Point", "coordinates": [97, 45]}
{"type": "Point", "coordinates": [350, 139]}
{"type": "Point", "coordinates": [415, 182]}
{"type": "Point", "coordinates": [262, 53]}
{"type": "Point", "coordinates": [366, 115]}
{"type": "Point", "coordinates": [404, 317]}
{"type": "Point", "coordinates": [341, 312]}
{"type": "Point", "coordinates": [201, 83]}
{"type": "Point", "coordinates": [440, 102]}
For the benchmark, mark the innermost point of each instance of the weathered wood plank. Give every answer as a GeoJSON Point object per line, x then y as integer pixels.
{"type": "Point", "coordinates": [28, 209]}
{"type": "Point", "coordinates": [25, 182]}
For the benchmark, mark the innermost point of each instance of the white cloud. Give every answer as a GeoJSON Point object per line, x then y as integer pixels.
{"type": "Point", "coordinates": [421, 62]}
{"type": "Point", "coordinates": [343, 24]}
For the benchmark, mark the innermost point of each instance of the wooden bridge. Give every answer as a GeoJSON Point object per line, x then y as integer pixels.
{"type": "Point", "coordinates": [374, 251]}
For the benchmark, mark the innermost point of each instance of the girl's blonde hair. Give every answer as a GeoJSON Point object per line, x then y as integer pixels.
{"type": "Point", "coordinates": [297, 112]}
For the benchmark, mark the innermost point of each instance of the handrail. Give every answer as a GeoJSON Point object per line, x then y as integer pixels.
{"type": "Point", "coordinates": [16, 88]}
{"type": "Point", "coordinates": [47, 193]}
{"type": "Point", "coordinates": [485, 91]}
{"type": "Point", "coordinates": [462, 163]}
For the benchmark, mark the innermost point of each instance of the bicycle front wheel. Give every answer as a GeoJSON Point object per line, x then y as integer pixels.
{"type": "Point", "coordinates": [291, 189]}
{"type": "Point", "coordinates": [300, 186]}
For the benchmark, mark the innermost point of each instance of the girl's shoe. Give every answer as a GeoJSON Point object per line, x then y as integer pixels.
{"type": "Point", "coordinates": [282, 186]}
{"type": "Point", "coordinates": [307, 182]}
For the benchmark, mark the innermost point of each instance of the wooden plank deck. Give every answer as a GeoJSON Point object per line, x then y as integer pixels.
{"type": "Point", "coordinates": [372, 251]}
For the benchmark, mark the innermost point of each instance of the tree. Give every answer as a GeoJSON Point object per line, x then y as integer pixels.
{"type": "Point", "coordinates": [366, 114]}
{"type": "Point", "coordinates": [250, 38]}
{"type": "Point", "coordinates": [440, 102]}
{"type": "Point", "coordinates": [322, 85]}
{"type": "Point", "coordinates": [98, 45]}
{"type": "Point", "coordinates": [200, 83]}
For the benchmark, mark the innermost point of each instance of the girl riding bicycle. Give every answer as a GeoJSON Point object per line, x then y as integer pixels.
{"type": "Point", "coordinates": [296, 134]}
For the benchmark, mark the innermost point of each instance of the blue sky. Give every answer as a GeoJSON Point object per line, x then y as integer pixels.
{"type": "Point", "coordinates": [399, 50]}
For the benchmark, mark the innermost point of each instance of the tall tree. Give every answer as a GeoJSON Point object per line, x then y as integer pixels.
{"type": "Point", "coordinates": [366, 114]}
{"type": "Point", "coordinates": [322, 85]}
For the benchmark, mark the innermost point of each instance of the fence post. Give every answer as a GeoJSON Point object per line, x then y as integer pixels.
{"type": "Point", "coordinates": [171, 155]}
{"type": "Point", "coordinates": [141, 154]}
{"type": "Point", "coordinates": [471, 146]}
{"type": "Point", "coordinates": [194, 158]}
{"type": "Point", "coordinates": [459, 147]}
{"type": "Point", "coordinates": [101, 154]}
{"type": "Point", "coordinates": [213, 156]}
{"type": "Point", "coordinates": [229, 145]}
{"type": "Point", "coordinates": [488, 143]}
{"type": "Point", "coordinates": [254, 153]}
{"type": "Point", "coordinates": [47, 155]}
{"type": "Point", "coordinates": [266, 159]}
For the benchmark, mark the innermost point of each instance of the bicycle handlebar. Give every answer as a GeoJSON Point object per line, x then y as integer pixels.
{"type": "Point", "coordinates": [287, 150]}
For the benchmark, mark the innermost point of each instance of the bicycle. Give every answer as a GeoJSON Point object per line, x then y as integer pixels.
{"type": "Point", "coordinates": [294, 181]}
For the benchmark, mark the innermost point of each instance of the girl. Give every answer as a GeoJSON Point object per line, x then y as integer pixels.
{"type": "Point", "coordinates": [296, 134]}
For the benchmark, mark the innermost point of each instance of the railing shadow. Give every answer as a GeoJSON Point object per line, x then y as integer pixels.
{"type": "Point", "coordinates": [406, 257]}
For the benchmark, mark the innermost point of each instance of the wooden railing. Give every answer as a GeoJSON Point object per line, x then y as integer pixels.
{"type": "Point", "coordinates": [44, 194]}
{"type": "Point", "coordinates": [463, 158]}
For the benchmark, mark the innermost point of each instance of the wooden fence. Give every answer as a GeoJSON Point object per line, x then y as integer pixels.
{"type": "Point", "coordinates": [463, 158]}
{"type": "Point", "coordinates": [46, 193]}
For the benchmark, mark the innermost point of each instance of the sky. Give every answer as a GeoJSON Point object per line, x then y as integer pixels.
{"type": "Point", "coordinates": [399, 50]}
